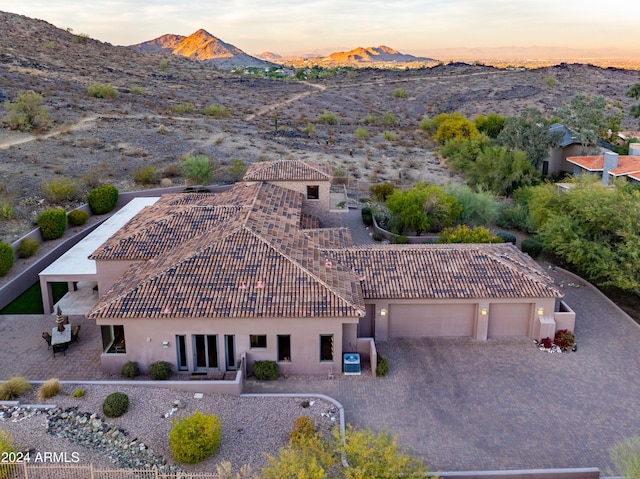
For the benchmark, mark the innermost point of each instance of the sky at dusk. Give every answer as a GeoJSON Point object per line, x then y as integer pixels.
{"type": "Point", "coordinates": [314, 26]}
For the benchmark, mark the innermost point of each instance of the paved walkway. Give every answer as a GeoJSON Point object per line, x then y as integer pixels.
{"type": "Point", "coordinates": [458, 403]}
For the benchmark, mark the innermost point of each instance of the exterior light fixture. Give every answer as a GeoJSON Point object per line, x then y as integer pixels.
{"type": "Point", "coordinates": [165, 344]}
{"type": "Point", "coordinates": [383, 312]}
{"type": "Point", "coordinates": [540, 311]}
{"type": "Point", "coordinates": [484, 311]}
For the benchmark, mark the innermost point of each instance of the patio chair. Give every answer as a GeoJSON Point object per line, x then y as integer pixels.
{"type": "Point", "coordinates": [47, 337]}
{"type": "Point", "coordinates": [60, 348]}
{"type": "Point", "coordinates": [75, 330]}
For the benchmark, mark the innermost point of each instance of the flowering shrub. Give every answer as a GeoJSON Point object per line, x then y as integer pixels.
{"type": "Point", "coordinates": [546, 342]}
{"type": "Point", "coordinates": [564, 338]}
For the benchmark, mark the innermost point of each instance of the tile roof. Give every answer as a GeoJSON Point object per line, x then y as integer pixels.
{"type": "Point", "coordinates": [589, 163]}
{"type": "Point", "coordinates": [627, 164]}
{"type": "Point", "coordinates": [447, 271]}
{"type": "Point", "coordinates": [289, 170]}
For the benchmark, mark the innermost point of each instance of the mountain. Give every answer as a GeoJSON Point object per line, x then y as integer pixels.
{"type": "Point", "coordinates": [381, 56]}
{"type": "Point", "coordinates": [202, 46]}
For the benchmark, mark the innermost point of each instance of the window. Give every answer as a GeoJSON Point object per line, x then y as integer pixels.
{"type": "Point", "coordinates": [258, 341]}
{"type": "Point", "coordinates": [181, 345]}
{"type": "Point", "coordinates": [205, 347]}
{"type": "Point", "coordinates": [313, 192]}
{"type": "Point", "coordinates": [113, 339]}
{"type": "Point", "coordinates": [284, 347]}
{"type": "Point", "coordinates": [326, 347]}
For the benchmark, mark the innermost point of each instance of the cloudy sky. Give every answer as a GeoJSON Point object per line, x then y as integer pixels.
{"type": "Point", "coordinates": [305, 26]}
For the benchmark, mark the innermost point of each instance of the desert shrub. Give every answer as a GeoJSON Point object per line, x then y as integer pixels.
{"type": "Point", "coordinates": [102, 199]}
{"type": "Point", "coordinates": [7, 210]}
{"type": "Point", "coordinates": [265, 370]}
{"type": "Point", "coordinates": [237, 169]}
{"type": "Point", "coordinates": [310, 129]}
{"type": "Point", "coordinates": [477, 208]}
{"type": "Point", "coordinates": [361, 133]}
{"type": "Point", "coordinates": [304, 427]}
{"type": "Point", "coordinates": [52, 223]}
{"type": "Point", "coordinates": [513, 216]}
{"type": "Point", "coordinates": [367, 216]}
{"type": "Point", "coordinates": [216, 111]}
{"type": "Point", "coordinates": [402, 239]}
{"type": "Point", "coordinates": [160, 370]}
{"type": "Point", "coordinates": [377, 236]}
{"type": "Point", "coordinates": [48, 389]}
{"type": "Point", "coordinates": [102, 90]}
{"type": "Point", "coordinates": [327, 118]}
{"type": "Point", "coordinates": [370, 119]}
{"type": "Point", "coordinates": [115, 404]}
{"type": "Point", "coordinates": [532, 247]}
{"type": "Point", "coordinates": [197, 169]}
{"type": "Point", "coordinates": [147, 175]}
{"type": "Point", "coordinates": [6, 258]}
{"type": "Point", "coordinates": [59, 189]}
{"type": "Point", "coordinates": [172, 171]}
{"type": "Point", "coordinates": [388, 119]}
{"type": "Point", "coordinates": [130, 369]}
{"type": "Point", "coordinates": [7, 446]}
{"type": "Point", "coordinates": [381, 191]}
{"type": "Point", "coordinates": [382, 368]}
{"type": "Point", "coordinates": [564, 338]}
{"type": "Point", "coordinates": [183, 108]}
{"type": "Point", "coordinates": [426, 124]}
{"type": "Point", "coordinates": [507, 237]}
{"type": "Point", "coordinates": [388, 136]}
{"type": "Point", "coordinates": [26, 112]}
{"type": "Point", "coordinates": [28, 247]}
{"type": "Point", "coordinates": [79, 393]}
{"type": "Point", "coordinates": [399, 93]}
{"type": "Point", "coordinates": [78, 217]}
{"type": "Point", "coordinates": [80, 38]}
{"type": "Point", "coordinates": [195, 437]}
{"type": "Point", "coordinates": [137, 90]}
{"type": "Point", "coordinates": [466, 234]}
{"type": "Point", "coordinates": [14, 388]}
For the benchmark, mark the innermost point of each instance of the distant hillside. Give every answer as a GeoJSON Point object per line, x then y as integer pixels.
{"type": "Point", "coordinates": [202, 46]}
{"type": "Point", "coordinates": [380, 57]}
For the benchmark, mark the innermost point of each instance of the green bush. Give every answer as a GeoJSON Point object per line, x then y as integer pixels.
{"type": "Point", "coordinates": [401, 239]}
{"type": "Point", "coordinates": [514, 216]}
{"type": "Point", "coordinates": [507, 237]}
{"type": "Point", "coordinates": [382, 191]}
{"type": "Point", "coordinates": [130, 369]}
{"type": "Point", "coordinates": [160, 370]}
{"type": "Point", "coordinates": [115, 404]}
{"type": "Point", "coordinates": [26, 112]}
{"type": "Point", "coordinates": [78, 217]}
{"type": "Point", "coordinates": [79, 393]}
{"type": "Point", "coordinates": [13, 388]}
{"type": "Point", "coordinates": [7, 210]}
{"type": "Point", "coordinates": [216, 111]}
{"type": "Point", "coordinates": [59, 189]}
{"type": "Point", "coordinates": [147, 175]}
{"type": "Point", "coordinates": [466, 234]}
{"type": "Point", "coordinates": [382, 368]}
{"type": "Point", "coordinates": [388, 136]}
{"type": "Point", "coordinates": [197, 169]}
{"type": "Point", "coordinates": [388, 119]}
{"type": "Point", "coordinates": [327, 118]}
{"type": "Point", "coordinates": [52, 223]}
{"type": "Point", "coordinates": [304, 427]}
{"type": "Point", "coordinates": [195, 437]}
{"type": "Point", "coordinates": [7, 446]}
{"type": "Point", "coordinates": [399, 93]}
{"type": "Point", "coordinates": [183, 108]}
{"type": "Point", "coordinates": [102, 199]}
{"type": "Point", "coordinates": [48, 389]}
{"type": "Point", "coordinates": [377, 236]}
{"type": "Point", "coordinates": [367, 216]}
{"type": "Point", "coordinates": [532, 247]}
{"type": "Point", "coordinates": [137, 90]}
{"type": "Point", "coordinates": [27, 248]}
{"type": "Point", "coordinates": [361, 133]}
{"type": "Point", "coordinates": [477, 208]}
{"type": "Point", "coordinates": [265, 370]}
{"type": "Point", "coordinates": [6, 258]}
{"type": "Point", "coordinates": [102, 90]}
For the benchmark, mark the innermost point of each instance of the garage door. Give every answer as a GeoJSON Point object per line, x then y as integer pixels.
{"type": "Point", "coordinates": [509, 320]}
{"type": "Point", "coordinates": [422, 320]}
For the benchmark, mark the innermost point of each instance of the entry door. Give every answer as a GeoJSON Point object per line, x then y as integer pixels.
{"type": "Point", "coordinates": [230, 351]}
{"type": "Point", "coordinates": [205, 352]}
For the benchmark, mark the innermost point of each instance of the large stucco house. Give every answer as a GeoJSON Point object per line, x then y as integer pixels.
{"type": "Point", "coordinates": [200, 279]}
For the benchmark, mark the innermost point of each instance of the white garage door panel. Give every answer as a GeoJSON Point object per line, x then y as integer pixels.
{"type": "Point", "coordinates": [509, 320]}
{"type": "Point", "coordinates": [423, 320]}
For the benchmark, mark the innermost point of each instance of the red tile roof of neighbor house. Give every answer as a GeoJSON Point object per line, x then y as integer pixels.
{"type": "Point", "coordinates": [289, 170]}
{"type": "Point", "coordinates": [447, 271]}
{"type": "Point", "coordinates": [626, 164]}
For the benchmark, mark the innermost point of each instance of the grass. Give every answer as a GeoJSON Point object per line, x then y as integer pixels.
{"type": "Point", "coordinates": [30, 302]}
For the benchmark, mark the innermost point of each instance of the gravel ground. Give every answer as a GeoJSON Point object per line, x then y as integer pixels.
{"type": "Point", "coordinates": [251, 427]}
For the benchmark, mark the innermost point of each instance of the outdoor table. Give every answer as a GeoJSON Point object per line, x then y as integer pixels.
{"type": "Point", "coordinates": [61, 337]}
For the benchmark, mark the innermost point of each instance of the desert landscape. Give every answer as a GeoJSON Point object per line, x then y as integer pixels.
{"type": "Point", "coordinates": [94, 140]}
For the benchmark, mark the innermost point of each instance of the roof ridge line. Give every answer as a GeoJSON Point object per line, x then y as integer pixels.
{"type": "Point", "coordinates": [302, 268]}
{"type": "Point", "coordinates": [314, 168]}
{"type": "Point", "coordinates": [535, 276]}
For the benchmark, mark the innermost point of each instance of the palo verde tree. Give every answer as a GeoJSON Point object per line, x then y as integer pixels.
{"type": "Point", "coordinates": [634, 92]}
{"type": "Point", "coordinates": [590, 118]}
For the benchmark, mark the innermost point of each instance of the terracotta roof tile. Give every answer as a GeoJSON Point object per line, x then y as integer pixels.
{"type": "Point", "coordinates": [626, 165]}
{"type": "Point", "coordinates": [590, 163]}
{"type": "Point", "coordinates": [289, 170]}
{"type": "Point", "coordinates": [446, 271]}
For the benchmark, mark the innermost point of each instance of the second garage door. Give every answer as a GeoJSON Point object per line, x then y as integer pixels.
{"type": "Point", "coordinates": [509, 320]}
{"type": "Point", "coordinates": [424, 320]}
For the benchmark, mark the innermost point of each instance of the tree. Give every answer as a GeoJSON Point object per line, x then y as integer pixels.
{"type": "Point", "coordinates": [423, 207]}
{"type": "Point", "coordinates": [490, 125]}
{"type": "Point", "coordinates": [26, 112]}
{"type": "Point", "coordinates": [529, 132]}
{"type": "Point", "coordinates": [197, 169]}
{"type": "Point", "coordinates": [453, 126]}
{"type": "Point", "coordinates": [590, 118]}
{"type": "Point", "coordinates": [501, 171]}
{"type": "Point", "coordinates": [634, 92]}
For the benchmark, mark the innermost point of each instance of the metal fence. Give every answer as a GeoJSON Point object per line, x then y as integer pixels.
{"type": "Point", "coordinates": [26, 470]}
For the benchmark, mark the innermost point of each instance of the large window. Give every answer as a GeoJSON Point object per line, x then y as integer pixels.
{"type": "Point", "coordinates": [205, 348]}
{"type": "Point", "coordinates": [313, 192]}
{"type": "Point", "coordinates": [181, 350]}
{"type": "Point", "coordinates": [258, 341]}
{"type": "Point", "coordinates": [284, 347]}
{"type": "Point", "coordinates": [326, 347]}
{"type": "Point", "coordinates": [113, 339]}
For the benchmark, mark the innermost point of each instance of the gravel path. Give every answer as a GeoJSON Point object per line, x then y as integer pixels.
{"type": "Point", "coordinates": [251, 426]}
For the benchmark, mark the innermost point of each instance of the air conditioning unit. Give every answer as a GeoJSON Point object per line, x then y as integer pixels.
{"type": "Point", "coordinates": [351, 363]}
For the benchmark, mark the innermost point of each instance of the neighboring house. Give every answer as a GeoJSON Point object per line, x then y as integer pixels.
{"type": "Point", "coordinates": [610, 165]}
{"type": "Point", "coordinates": [200, 279]}
{"type": "Point", "coordinates": [569, 146]}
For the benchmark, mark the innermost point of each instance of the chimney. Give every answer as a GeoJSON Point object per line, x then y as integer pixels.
{"type": "Point", "coordinates": [634, 149]}
{"type": "Point", "coordinates": [610, 163]}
